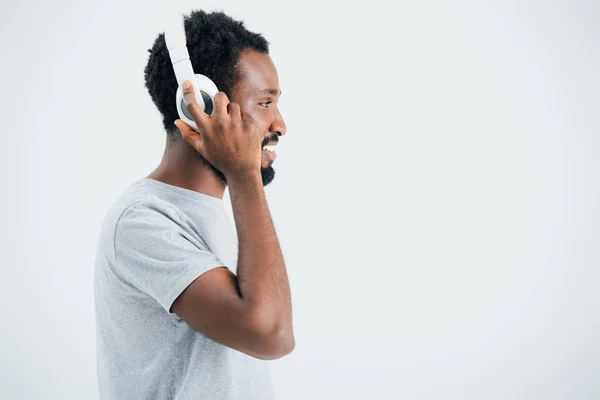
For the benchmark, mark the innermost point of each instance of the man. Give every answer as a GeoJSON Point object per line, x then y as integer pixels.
{"type": "Point", "coordinates": [184, 309]}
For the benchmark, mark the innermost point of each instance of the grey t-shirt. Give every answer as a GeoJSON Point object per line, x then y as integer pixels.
{"type": "Point", "coordinates": [155, 241]}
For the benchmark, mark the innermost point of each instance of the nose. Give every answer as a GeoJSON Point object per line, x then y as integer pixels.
{"type": "Point", "coordinates": [278, 125]}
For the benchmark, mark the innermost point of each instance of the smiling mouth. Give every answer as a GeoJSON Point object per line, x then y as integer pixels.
{"type": "Point", "coordinates": [269, 154]}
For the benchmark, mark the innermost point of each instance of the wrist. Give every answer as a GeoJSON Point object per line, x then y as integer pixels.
{"type": "Point", "coordinates": [244, 178]}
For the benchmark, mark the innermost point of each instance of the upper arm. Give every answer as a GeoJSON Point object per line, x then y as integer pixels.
{"type": "Point", "coordinates": [212, 305]}
{"type": "Point", "coordinates": [156, 252]}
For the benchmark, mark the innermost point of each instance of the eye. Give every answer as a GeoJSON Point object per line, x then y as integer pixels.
{"type": "Point", "coordinates": [266, 103]}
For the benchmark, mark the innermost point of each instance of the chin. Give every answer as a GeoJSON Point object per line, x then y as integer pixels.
{"type": "Point", "coordinates": [268, 174]}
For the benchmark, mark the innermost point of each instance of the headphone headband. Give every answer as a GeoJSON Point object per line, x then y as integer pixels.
{"type": "Point", "coordinates": [180, 58]}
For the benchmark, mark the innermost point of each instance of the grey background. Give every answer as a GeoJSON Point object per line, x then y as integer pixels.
{"type": "Point", "coordinates": [436, 198]}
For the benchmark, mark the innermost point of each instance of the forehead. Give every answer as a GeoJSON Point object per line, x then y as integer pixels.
{"type": "Point", "coordinates": [258, 73]}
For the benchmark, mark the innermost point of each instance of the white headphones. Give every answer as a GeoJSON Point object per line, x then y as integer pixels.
{"type": "Point", "coordinates": [204, 89]}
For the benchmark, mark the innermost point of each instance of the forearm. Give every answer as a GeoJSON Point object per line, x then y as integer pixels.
{"type": "Point", "coordinates": [261, 272]}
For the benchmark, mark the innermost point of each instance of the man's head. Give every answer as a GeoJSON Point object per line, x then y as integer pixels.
{"type": "Point", "coordinates": [236, 60]}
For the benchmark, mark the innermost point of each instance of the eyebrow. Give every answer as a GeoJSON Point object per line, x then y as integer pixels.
{"type": "Point", "coordinates": [272, 92]}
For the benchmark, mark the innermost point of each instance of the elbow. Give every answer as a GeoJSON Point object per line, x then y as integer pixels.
{"type": "Point", "coordinates": [284, 341]}
{"type": "Point", "coordinates": [275, 337]}
{"type": "Point", "coordinates": [276, 342]}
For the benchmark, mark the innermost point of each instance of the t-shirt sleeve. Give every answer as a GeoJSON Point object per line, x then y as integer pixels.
{"type": "Point", "coordinates": [159, 254]}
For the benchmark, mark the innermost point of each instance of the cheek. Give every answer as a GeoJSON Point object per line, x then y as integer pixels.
{"type": "Point", "coordinates": [261, 119]}
{"type": "Point", "coordinates": [260, 115]}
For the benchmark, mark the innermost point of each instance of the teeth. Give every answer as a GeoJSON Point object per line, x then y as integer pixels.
{"type": "Point", "coordinates": [269, 148]}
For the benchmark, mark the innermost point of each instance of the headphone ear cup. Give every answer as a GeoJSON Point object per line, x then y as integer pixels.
{"type": "Point", "coordinates": [208, 104]}
{"type": "Point", "coordinates": [207, 89]}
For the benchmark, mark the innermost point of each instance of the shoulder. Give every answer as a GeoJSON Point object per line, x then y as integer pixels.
{"type": "Point", "coordinates": [149, 208]}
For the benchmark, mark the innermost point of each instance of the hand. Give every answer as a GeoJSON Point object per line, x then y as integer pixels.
{"type": "Point", "coordinates": [228, 139]}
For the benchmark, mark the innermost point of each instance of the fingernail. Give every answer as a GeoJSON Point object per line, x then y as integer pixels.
{"type": "Point", "coordinates": [186, 84]}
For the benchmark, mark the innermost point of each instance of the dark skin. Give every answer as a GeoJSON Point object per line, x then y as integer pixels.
{"type": "Point", "coordinates": [250, 311]}
{"type": "Point", "coordinates": [184, 167]}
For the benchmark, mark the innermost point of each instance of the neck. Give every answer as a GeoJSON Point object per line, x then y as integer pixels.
{"type": "Point", "coordinates": [184, 167]}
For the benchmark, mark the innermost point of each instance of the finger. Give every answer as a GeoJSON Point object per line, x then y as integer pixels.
{"type": "Point", "coordinates": [249, 123]}
{"type": "Point", "coordinates": [221, 102]}
{"type": "Point", "coordinates": [246, 117]}
{"type": "Point", "coordinates": [189, 99]}
{"type": "Point", "coordinates": [189, 135]}
{"type": "Point", "coordinates": [234, 111]}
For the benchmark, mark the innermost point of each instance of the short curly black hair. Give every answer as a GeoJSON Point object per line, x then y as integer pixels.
{"type": "Point", "coordinates": [214, 42]}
